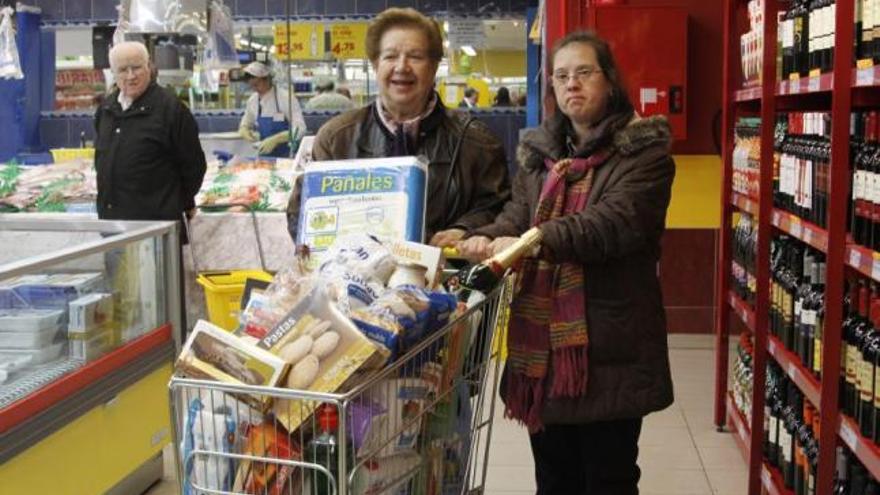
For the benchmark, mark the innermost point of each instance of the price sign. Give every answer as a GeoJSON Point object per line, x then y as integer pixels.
{"type": "Point", "coordinates": [794, 87]}
{"type": "Point", "coordinates": [875, 270]}
{"type": "Point", "coordinates": [813, 85]}
{"type": "Point", "coordinates": [776, 218]}
{"type": "Point", "coordinates": [855, 258]}
{"type": "Point", "coordinates": [347, 40]}
{"type": "Point", "coordinates": [771, 347]}
{"type": "Point", "coordinates": [305, 41]}
{"type": "Point", "coordinates": [808, 236]}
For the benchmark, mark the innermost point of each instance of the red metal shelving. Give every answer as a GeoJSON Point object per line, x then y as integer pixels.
{"type": "Point", "coordinates": [742, 310]}
{"type": "Point", "coordinates": [748, 94]}
{"type": "Point", "coordinates": [771, 480]}
{"type": "Point", "coordinates": [801, 229]}
{"type": "Point", "coordinates": [791, 365]}
{"type": "Point", "coordinates": [737, 423]}
{"type": "Point", "coordinates": [744, 203]}
{"type": "Point", "coordinates": [864, 260]}
{"type": "Point", "coordinates": [864, 449]}
{"type": "Point", "coordinates": [816, 84]}
{"type": "Point", "coordinates": [812, 94]}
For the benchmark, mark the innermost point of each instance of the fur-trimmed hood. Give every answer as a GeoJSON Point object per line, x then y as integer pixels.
{"type": "Point", "coordinates": [549, 140]}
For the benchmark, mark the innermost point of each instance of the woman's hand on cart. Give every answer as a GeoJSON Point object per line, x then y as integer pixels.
{"type": "Point", "coordinates": [475, 249]}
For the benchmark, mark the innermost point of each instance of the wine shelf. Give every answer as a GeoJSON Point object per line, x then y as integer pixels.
{"type": "Point", "coordinates": [742, 310]}
{"type": "Point", "coordinates": [791, 364]}
{"type": "Point", "coordinates": [744, 203]}
{"type": "Point", "coordinates": [801, 229]}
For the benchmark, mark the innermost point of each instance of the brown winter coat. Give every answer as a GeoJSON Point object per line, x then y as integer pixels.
{"type": "Point", "coordinates": [617, 239]}
{"type": "Point", "coordinates": [466, 197]}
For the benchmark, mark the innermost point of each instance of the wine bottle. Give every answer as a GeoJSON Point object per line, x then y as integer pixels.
{"type": "Point", "coordinates": [485, 276]}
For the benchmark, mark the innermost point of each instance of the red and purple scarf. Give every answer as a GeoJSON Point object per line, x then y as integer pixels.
{"type": "Point", "coordinates": [548, 339]}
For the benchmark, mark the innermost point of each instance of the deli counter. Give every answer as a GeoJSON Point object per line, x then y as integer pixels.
{"type": "Point", "coordinates": [89, 324]}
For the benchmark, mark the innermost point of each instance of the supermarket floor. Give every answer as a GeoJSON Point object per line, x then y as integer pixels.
{"type": "Point", "coordinates": [680, 451]}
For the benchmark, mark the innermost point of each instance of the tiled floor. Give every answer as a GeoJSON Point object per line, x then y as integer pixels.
{"type": "Point", "coordinates": [680, 451]}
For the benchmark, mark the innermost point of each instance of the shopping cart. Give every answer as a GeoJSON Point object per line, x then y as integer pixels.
{"type": "Point", "coordinates": [224, 288]}
{"type": "Point", "coordinates": [421, 425]}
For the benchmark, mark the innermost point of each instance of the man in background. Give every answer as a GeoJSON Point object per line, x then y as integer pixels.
{"type": "Point", "coordinates": [328, 99]}
{"type": "Point", "coordinates": [148, 156]}
{"type": "Point", "coordinates": [269, 113]}
{"type": "Point", "coordinates": [471, 96]}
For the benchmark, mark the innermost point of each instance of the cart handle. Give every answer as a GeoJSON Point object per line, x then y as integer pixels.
{"type": "Point", "coordinates": [256, 225]}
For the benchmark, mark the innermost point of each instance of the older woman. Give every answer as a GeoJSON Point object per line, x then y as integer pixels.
{"type": "Point", "coordinates": [468, 179]}
{"type": "Point", "coordinates": [587, 339]}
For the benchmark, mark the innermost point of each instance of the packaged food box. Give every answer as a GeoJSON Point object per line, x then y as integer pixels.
{"type": "Point", "coordinates": [90, 311]}
{"type": "Point", "coordinates": [57, 290]}
{"type": "Point", "coordinates": [29, 340]}
{"type": "Point", "coordinates": [8, 297]}
{"type": "Point", "coordinates": [325, 351]}
{"type": "Point", "coordinates": [383, 197]}
{"type": "Point", "coordinates": [36, 356]}
{"type": "Point", "coordinates": [30, 320]}
{"type": "Point", "coordinates": [89, 349]}
{"type": "Point", "coordinates": [213, 353]}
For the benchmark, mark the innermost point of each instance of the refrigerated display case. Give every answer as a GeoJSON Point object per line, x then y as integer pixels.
{"type": "Point", "coordinates": [89, 317]}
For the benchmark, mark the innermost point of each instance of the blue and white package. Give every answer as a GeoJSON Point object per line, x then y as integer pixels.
{"type": "Point", "coordinates": [383, 197]}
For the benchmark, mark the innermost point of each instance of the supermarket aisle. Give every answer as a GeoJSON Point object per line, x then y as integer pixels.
{"type": "Point", "coordinates": [681, 453]}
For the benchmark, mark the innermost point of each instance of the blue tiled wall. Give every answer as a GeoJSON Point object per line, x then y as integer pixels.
{"type": "Point", "coordinates": [63, 131]}
{"type": "Point", "coordinates": [105, 10]}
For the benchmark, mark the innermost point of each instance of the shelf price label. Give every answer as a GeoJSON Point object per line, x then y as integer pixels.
{"type": "Point", "coordinates": [848, 435]}
{"type": "Point", "coordinates": [796, 227]}
{"type": "Point", "coordinates": [865, 77]}
{"type": "Point", "coordinates": [347, 40]}
{"type": "Point", "coordinates": [766, 479]}
{"type": "Point", "coordinates": [855, 258]}
{"type": "Point", "coordinates": [808, 236]}
{"type": "Point", "coordinates": [306, 41]}
{"type": "Point", "coordinates": [813, 85]}
{"type": "Point", "coordinates": [875, 269]}
{"type": "Point", "coordinates": [771, 347]}
{"type": "Point", "coordinates": [776, 218]}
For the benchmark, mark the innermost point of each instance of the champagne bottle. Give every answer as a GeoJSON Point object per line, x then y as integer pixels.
{"type": "Point", "coordinates": [485, 276]}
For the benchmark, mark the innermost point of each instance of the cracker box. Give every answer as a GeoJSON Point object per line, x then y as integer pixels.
{"type": "Point", "coordinates": [383, 197]}
{"type": "Point", "coordinates": [213, 353]}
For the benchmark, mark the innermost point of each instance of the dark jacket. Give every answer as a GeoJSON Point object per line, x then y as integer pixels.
{"type": "Point", "coordinates": [617, 240]}
{"type": "Point", "coordinates": [466, 196]}
{"type": "Point", "coordinates": [149, 159]}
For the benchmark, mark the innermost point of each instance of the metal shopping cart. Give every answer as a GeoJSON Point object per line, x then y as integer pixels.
{"type": "Point", "coordinates": [421, 425]}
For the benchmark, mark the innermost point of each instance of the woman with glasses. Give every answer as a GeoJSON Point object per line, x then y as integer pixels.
{"type": "Point", "coordinates": [587, 353]}
{"type": "Point", "coordinates": [467, 169]}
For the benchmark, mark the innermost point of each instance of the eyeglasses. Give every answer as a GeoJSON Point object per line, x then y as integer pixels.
{"type": "Point", "coordinates": [580, 75]}
{"type": "Point", "coordinates": [130, 69]}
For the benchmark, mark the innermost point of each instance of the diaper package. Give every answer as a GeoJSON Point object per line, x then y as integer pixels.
{"type": "Point", "coordinates": [383, 197]}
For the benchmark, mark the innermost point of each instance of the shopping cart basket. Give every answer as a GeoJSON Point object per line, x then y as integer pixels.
{"type": "Point", "coordinates": [224, 288]}
{"type": "Point", "coordinates": [421, 425]}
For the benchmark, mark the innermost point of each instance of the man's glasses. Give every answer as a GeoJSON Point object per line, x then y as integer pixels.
{"type": "Point", "coordinates": [129, 69]}
{"type": "Point", "coordinates": [580, 75]}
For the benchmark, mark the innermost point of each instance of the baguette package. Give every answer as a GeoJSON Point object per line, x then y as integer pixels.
{"type": "Point", "coordinates": [324, 349]}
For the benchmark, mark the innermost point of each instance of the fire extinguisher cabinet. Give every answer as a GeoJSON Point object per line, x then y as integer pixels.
{"type": "Point", "coordinates": [650, 46]}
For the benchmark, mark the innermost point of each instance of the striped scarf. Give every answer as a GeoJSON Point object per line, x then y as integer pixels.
{"type": "Point", "coordinates": [548, 324]}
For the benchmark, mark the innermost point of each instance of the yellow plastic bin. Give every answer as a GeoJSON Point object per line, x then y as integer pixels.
{"type": "Point", "coordinates": [66, 154]}
{"type": "Point", "coordinates": [223, 291]}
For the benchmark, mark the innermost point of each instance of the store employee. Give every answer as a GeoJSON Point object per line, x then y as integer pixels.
{"type": "Point", "coordinates": [267, 115]}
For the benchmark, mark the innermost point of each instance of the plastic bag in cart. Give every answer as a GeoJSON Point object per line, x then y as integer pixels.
{"type": "Point", "coordinates": [207, 430]}
{"type": "Point", "coordinates": [10, 66]}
